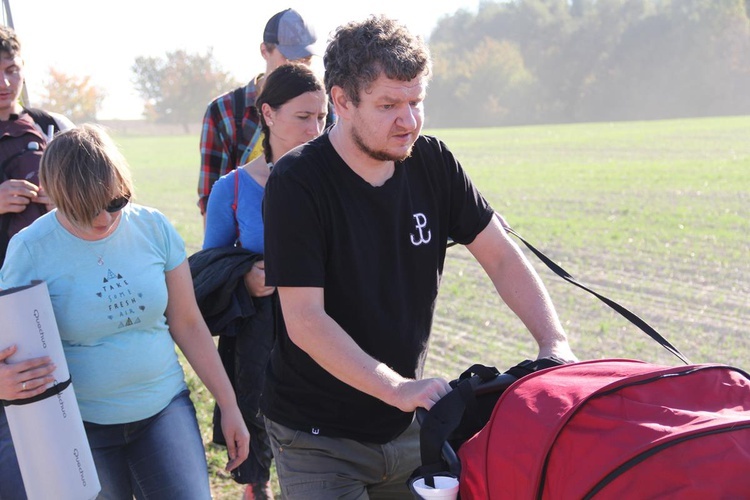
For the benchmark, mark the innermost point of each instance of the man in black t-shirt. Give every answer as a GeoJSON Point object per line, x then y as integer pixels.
{"type": "Point", "coordinates": [356, 227]}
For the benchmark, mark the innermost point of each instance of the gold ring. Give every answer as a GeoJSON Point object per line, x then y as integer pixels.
{"type": "Point", "coordinates": [23, 386]}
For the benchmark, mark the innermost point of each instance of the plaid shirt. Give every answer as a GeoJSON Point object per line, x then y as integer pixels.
{"type": "Point", "coordinates": [220, 152]}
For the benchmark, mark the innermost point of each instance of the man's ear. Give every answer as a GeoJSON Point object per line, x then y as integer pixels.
{"type": "Point", "coordinates": [341, 102]}
{"type": "Point", "coordinates": [264, 51]}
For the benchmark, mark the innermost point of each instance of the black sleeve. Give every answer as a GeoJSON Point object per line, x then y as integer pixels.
{"type": "Point", "coordinates": [470, 212]}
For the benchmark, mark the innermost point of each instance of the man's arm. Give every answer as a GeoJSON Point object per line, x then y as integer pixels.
{"type": "Point", "coordinates": [214, 157]}
{"type": "Point", "coordinates": [316, 333]}
{"type": "Point", "coordinates": [521, 288]}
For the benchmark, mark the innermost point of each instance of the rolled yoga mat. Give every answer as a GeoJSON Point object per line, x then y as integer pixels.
{"type": "Point", "coordinates": [47, 430]}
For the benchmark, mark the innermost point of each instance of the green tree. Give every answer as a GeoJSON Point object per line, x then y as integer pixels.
{"type": "Point", "coordinates": [177, 88]}
{"type": "Point", "coordinates": [72, 96]}
{"type": "Point", "coordinates": [592, 60]}
{"type": "Point", "coordinates": [487, 84]}
{"type": "Point", "coordinates": [686, 58]}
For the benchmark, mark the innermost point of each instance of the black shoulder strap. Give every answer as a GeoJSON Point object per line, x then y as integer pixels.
{"type": "Point", "coordinates": [238, 108]}
{"type": "Point", "coordinates": [43, 119]}
{"type": "Point", "coordinates": [650, 331]}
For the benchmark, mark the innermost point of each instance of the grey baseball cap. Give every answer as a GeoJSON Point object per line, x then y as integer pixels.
{"type": "Point", "coordinates": [291, 34]}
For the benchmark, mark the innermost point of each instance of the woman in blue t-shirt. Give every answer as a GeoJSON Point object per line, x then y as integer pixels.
{"type": "Point", "coordinates": [293, 108]}
{"type": "Point", "coordinates": [122, 294]}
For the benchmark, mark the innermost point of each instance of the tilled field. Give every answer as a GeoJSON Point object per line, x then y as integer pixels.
{"type": "Point", "coordinates": [701, 309]}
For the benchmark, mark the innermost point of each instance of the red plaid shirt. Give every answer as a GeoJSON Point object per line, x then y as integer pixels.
{"type": "Point", "coordinates": [220, 152]}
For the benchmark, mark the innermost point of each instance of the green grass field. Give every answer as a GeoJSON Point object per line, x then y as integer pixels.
{"type": "Point", "coordinates": [655, 215]}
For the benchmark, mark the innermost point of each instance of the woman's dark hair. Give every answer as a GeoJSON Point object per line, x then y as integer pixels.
{"type": "Point", "coordinates": [281, 86]}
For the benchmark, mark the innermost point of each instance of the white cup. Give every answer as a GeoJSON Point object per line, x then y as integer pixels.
{"type": "Point", "coordinates": [446, 488]}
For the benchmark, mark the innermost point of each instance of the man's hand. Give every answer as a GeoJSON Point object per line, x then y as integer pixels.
{"type": "Point", "coordinates": [255, 281]}
{"type": "Point", "coordinates": [560, 349]}
{"type": "Point", "coordinates": [15, 194]}
{"type": "Point", "coordinates": [413, 394]}
{"type": "Point", "coordinates": [44, 199]}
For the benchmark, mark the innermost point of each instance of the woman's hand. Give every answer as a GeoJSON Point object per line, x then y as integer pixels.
{"type": "Point", "coordinates": [24, 379]}
{"type": "Point", "coordinates": [191, 334]}
{"type": "Point", "coordinates": [236, 435]}
{"type": "Point", "coordinates": [255, 281]}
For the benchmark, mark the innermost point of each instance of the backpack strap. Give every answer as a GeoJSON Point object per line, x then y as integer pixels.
{"type": "Point", "coordinates": [239, 105]}
{"type": "Point", "coordinates": [238, 108]}
{"type": "Point", "coordinates": [627, 314]}
{"type": "Point", "coordinates": [31, 147]}
{"type": "Point", "coordinates": [45, 120]}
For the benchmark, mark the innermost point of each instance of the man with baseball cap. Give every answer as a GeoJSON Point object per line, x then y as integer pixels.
{"type": "Point", "coordinates": [231, 134]}
{"type": "Point", "coordinates": [291, 35]}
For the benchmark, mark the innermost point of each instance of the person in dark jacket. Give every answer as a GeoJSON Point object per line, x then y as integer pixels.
{"type": "Point", "coordinates": [293, 110]}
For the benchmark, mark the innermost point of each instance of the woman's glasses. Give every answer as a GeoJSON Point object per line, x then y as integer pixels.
{"type": "Point", "coordinates": [117, 204]}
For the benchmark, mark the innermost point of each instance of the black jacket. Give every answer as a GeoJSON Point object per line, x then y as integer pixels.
{"type": "Point", "coordinates": [246, 329]}
{"type": "Point", "coordinates": [219, 287]}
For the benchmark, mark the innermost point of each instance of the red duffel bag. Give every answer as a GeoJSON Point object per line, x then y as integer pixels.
{"type": "Point", "coordinates": [614, 429]}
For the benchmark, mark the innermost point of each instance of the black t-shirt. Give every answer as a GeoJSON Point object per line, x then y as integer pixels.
{"type": "Point", "coordinates": [378, 253]}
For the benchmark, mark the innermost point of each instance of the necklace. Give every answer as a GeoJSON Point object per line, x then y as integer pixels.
{"type": "Point", "coordinates": [87, 242]}
{"type": "Point", "coordinates": [87, 245]}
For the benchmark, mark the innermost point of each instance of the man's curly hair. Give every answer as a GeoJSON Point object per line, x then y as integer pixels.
{"type": "Point", "coordinates": [9, 42]}
{"type": "Point", "coordinates": [361, 51]}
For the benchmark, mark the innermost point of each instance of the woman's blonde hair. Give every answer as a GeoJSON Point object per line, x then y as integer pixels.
{"type": "Point", "coordinates": [82, 171]}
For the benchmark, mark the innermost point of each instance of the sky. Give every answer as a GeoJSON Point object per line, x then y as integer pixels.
{"type": "Point", "coordinates": [102, 38]}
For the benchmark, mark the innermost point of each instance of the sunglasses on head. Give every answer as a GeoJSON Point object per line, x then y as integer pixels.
{"type": "Point", "coordinates": [117, 204]}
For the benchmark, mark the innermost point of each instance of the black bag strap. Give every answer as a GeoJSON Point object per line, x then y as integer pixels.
{"type": "Point", "coordinates": [630, 316]}
{"type": "Point", "coordinates": [446, 415]}
{"type": "Point", "coordinates": [238, 108]}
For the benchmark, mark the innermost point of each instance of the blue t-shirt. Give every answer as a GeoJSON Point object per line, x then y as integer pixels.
{"type": "Point", "coordinates": [109, 297]}
{"type": "Point", "coordinates": [221, 230]}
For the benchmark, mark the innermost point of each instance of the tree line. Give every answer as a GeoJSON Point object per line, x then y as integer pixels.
{"type": "Point", "coordinates": [551, 61]}
{"type": "Point", "coordinates": [516, 62]}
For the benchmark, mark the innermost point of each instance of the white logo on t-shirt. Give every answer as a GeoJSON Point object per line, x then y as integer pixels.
{"type": "Point", "coordinates": [420, 223]}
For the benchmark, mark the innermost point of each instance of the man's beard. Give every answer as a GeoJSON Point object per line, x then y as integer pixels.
{"type": "Point", "coordinates": [379, 155]}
